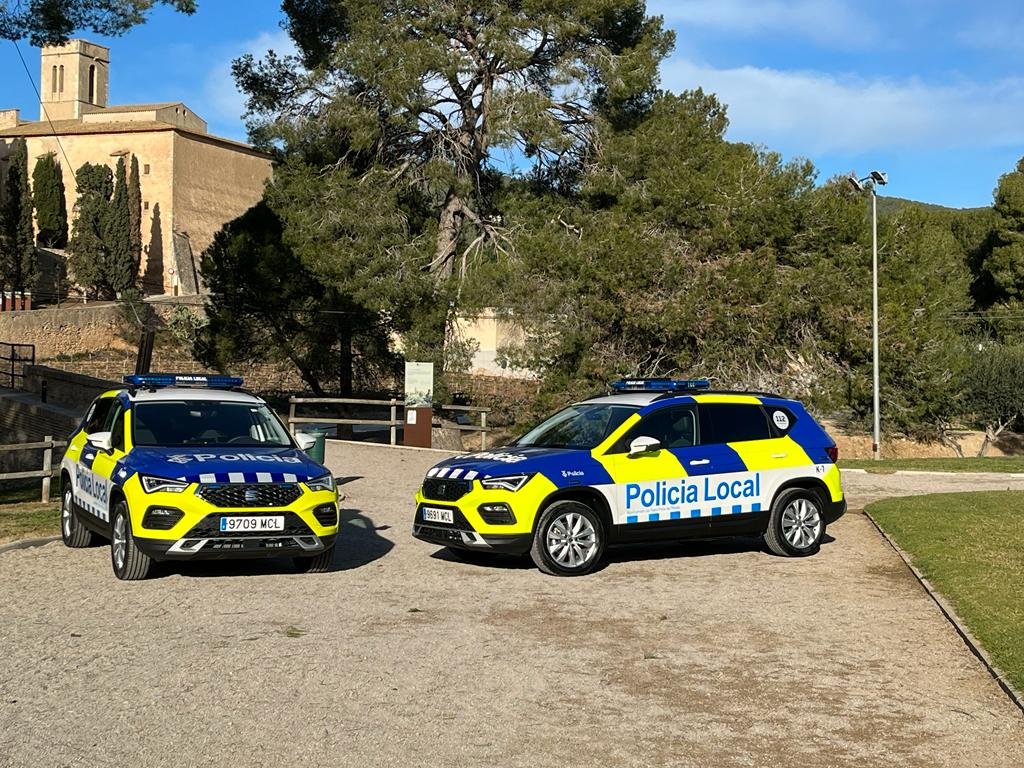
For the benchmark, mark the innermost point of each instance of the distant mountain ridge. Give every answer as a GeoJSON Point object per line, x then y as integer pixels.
{"type": "Point", "coordinates": [887, 206]}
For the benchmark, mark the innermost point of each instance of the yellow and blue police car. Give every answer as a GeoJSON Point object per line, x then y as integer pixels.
{"type": "Point", "coordinates": [184, 467]}
{"type": "Point", "coordinates": [656, 459]}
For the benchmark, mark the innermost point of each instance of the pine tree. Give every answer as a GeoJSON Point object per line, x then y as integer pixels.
{"type": "Point", "coordinates": [88, 254]}
{"type": "Point", "coordinates": [135, 215]}
{"type": "Point", "coordinates": [51, 210]}
{"type": "Point", "coordinates": [121, 270]}
{"type": "Point", "coordinates": [18, 263]}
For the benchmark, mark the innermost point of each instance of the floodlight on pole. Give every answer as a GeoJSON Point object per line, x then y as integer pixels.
{"type": "Point", "coordinates": [869, 183]}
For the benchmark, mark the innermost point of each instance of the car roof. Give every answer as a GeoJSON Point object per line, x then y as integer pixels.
{"type": "Point", "coordinates": [163, 394]}
{"type": "Point", "coordinates": [641, 399]}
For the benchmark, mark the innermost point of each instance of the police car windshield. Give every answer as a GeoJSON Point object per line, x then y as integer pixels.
{"type": "Point", "coordinates": [582, 427]}
{"type": "Point", "coordinates": [207, 422]}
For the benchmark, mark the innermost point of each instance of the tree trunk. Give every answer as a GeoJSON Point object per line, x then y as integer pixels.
{"type": "Point", "coordinates": [345, 362]}
{"type": "Point", "coordinates": [449, 228]}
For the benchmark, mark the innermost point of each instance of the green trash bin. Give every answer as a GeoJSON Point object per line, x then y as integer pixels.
{"type": "Point", "coordinates": [316, 453]}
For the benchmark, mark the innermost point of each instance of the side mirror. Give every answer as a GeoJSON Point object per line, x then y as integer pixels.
{"type": "Point", "coordinates": [101, 440]}
{"type": "Point", "coordinates": [305, 440]}
{"type": "Point", "coordinates": [642, 445]}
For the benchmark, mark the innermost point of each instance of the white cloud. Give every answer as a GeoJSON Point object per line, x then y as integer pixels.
{"type": "Point", "coordinates": [221, 98]}
{"type": "Point", "coordinates": [990, 33]}
{"type": "Point", "coordinates": [830, 22]}
{"type": "Point", "coordinates": [811, 112]}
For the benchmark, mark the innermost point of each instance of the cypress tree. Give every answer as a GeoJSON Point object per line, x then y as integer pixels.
{"type": "Point", "coordinates": [51, 210]}
{"type": "Point", "coordinates": [135, 215]}
{"type": "Point", "coordinates": [18, 264]}
{"type": "Point", "coordinates": [121, 270]}
{"type": "Point", "coordinates": [88, 255]}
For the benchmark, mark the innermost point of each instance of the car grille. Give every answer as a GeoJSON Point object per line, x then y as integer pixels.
{"type": "Point", "coordinates": [443, 489]}
{"type": "Point", "coordinates": [209, 527]}
{"type": "Point", "coordinates": [243, 495]}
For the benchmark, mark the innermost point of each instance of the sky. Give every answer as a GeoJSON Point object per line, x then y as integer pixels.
{"type": "Point", "coordinates": [930, 91]}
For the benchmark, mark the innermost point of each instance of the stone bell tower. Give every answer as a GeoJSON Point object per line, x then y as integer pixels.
{"type": "Point", "coordinates": [74, 80]}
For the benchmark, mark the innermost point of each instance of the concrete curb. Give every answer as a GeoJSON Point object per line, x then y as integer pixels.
{"type": "Point", "coordinates": [26, 543]}
{"type": "Point", "coordinates": [951, 616]}
{"type": "Point", "coordinates": [932, 473]}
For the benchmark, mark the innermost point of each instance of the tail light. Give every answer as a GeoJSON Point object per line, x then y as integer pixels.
{"type": "Point", "coordinates": [833, 453]}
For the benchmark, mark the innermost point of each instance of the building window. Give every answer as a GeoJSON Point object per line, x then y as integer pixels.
{"type": "Point", "coordinates": [53, 80]}
{"type": "Point", "coordinates": [60, 78]}
{"type": "Point", "coordinates": [92, 83]}
{"type": "Point", "coordinates": [145, 169]}
{"type": "Point", "coordinates": [145, 205]}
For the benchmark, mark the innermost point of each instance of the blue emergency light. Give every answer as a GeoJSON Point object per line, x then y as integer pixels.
{"type": "Point", "coordinates": [154, 380]}
{"type": "Point", "coordinates": [660, 385]}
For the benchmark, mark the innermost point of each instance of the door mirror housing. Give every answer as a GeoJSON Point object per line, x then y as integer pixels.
{"type": "Point", "coordinates": [101, 440]}
{"type": "Point", "coordinates": [642, 445]}
{"type": "Point", "coordinates": [305, 440]}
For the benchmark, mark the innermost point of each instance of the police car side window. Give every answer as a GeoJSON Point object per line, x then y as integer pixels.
{"type": "Point", "coordinates": [117, 431]}
{"type": "Point", "coordinates": [733, 423]}
{"type": "Point", "coordinates": [673, 427]}
{"type": "Point", "coordinates": [97, 415]}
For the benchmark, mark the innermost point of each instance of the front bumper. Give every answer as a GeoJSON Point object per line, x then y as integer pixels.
{"type": "Point", "coordinates": [242, 547]}
{"type": "Point", "coordinates": [461, 535]}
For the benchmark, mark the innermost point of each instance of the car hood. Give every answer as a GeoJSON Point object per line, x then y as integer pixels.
{"type": "Point", "coordinates": [203, 464]}
{"type": "Point", "coordinates": [506, 461]}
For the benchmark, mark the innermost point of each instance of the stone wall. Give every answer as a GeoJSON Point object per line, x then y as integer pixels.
{"type": "Point", "coordinates": [70, 390]}
{"type": "Point", "coordinates": [68, 330]}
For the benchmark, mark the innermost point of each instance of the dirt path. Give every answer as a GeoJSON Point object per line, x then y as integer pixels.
{"type": "Point", "coordinates": [711, 654]}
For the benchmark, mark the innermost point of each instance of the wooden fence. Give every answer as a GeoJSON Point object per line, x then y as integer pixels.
{"type": "Point", "coordinates": [392, 423]}
{"type": "Point", "coordinates": [48, 470]}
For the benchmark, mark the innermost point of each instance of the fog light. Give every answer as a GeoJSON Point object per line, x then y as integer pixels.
{"type": "Point", "coordinates": [161, 518]}
{"type": "Point", "coordinates": [496, 514]}
{"type": "Point", "coordinates": [326, 515]}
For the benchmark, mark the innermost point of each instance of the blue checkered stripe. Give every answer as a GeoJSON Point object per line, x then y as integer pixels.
{"type": "Point", "coordinates": [244, 477]}
{"type": "Point", "coordinates": [684, 514]}
{"type": "Point", "coordinates": [93, 509]}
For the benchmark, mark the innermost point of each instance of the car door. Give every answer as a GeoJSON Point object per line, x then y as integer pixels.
{"type": "Point", "coordinates": [658, 491]}
{"type": "Point", "coordinates": [101, 463]}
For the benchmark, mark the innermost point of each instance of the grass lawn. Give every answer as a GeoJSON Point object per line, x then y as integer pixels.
{"type": "Point", "coordinates": [28, 521]}
{"type": "Point", "coordinates": [971, 547]}
{"type": "Point", "coordinates": [973, 464]}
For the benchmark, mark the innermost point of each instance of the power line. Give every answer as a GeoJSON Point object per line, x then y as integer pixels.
{"type": "Point", "coordinates": [42, 106]}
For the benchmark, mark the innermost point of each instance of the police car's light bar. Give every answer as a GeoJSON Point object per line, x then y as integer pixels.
{"type": "Point", "coordinates": [660, 385]}
{"type": "Point", "coordinates": [152, 380]}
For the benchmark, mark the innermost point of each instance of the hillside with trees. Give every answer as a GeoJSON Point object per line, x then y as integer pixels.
{"type": "Point", "coordinates": [635, 240]}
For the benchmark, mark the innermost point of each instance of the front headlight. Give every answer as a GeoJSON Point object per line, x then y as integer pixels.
{"type": "Point", "coordinates": [510, 483]}
{"type": "Point", "coordinates": [152, 484]}
{"type": "Point", "coordinates": [323, 483]}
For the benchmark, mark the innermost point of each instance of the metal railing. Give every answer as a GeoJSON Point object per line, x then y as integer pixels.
{"type": "Point", "coordinates": [392, 423]}
{"type": "Point", "coordinates": [13, 359]}
{"type": "Point", "coordinates": [47, 444]}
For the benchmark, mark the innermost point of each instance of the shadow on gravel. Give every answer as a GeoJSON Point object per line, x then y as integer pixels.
{"type": "Point", "coordinates": [624, 553]}
{"type": "Point", "coordinates": [358, 544]}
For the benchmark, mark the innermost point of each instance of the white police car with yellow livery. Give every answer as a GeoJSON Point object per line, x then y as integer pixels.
{"type": "Point", "coordinates": [184, 467]}
{"type": "Point", "coordinates": [657, 459]}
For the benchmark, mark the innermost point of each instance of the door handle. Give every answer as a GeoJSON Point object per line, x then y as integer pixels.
{"type": "Point", "coordinates": [699, 462]}
{"type": "Point", "coordinates": [779, 455]}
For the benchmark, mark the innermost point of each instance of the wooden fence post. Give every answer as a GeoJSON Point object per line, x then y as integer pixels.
{"type": "Point", "coordinates": [47, 467]}
{"type": "Point", "coordinates": [483, 430]}
{"type": "Point", "coordinates": [394, 418]}
{"type": "Point", "coordinates": [291, 415]}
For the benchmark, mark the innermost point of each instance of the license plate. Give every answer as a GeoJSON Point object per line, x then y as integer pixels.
{"type": "Point", "coordinates": [437, 515]}
{"type": "Point", "coordinates": [231, 524]}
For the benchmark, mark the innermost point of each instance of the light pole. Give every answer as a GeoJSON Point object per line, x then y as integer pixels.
{"type": "Point", "coordinates": [870, 183]}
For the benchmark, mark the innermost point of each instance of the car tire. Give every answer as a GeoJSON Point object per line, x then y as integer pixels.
{"type": "Point", "coordinates": [318, 563]}
{"type": "Point", "coordinates": [569, 539]}
{"type": "Point", "coordinates": [796, 525]}
{"type": "Point", "coordinates": [129, 562]}
{"type": "Point", "coordinates": [72, 531]}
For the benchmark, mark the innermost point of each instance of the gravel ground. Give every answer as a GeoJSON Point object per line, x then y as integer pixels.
{"type": "Point", "coordinates": [696, 654]}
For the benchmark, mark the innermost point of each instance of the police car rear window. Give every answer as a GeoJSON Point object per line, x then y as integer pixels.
{"type": "Point", "coordinates": [732, 423]}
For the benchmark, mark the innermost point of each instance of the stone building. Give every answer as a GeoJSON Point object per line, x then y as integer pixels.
{"type": "Point", "coordinates": [192, 182]}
